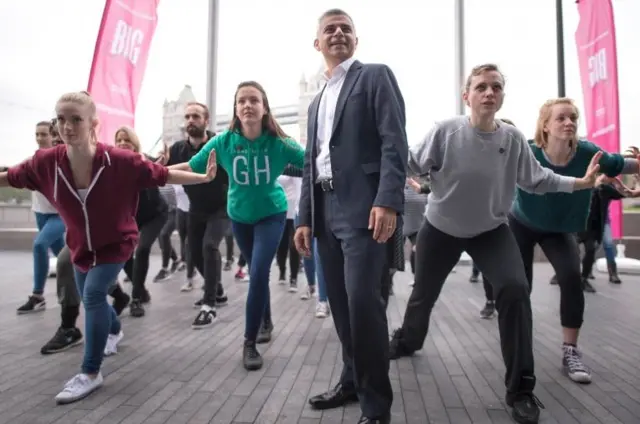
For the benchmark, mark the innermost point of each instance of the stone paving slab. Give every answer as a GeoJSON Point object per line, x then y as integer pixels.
{"type": "Point", "coordinates": [166, 372]}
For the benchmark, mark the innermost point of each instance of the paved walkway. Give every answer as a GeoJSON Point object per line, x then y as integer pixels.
{"type": "Point", "coordinates": [167, 373]}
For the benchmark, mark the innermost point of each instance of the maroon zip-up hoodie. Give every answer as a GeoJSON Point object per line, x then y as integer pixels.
{"type": "Point", "coordinates": [101, 220]}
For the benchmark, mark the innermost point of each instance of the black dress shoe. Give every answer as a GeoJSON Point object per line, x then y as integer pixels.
{"type": "Point", "coordinates": [334, 398]}
{"type": "Point", "coordinates": [386, 419]}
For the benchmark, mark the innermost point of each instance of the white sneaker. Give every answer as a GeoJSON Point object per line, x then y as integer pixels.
{"type": "Point", "coordinates": [112, 343]}
{"type": "Point", "coordinates": [79, 387]}
{"type": "Point", "coordinates": [306, 294]}
{"type": "Point", "coordinates": [322, 310]}
{"type": "Point", "coordinates": [188, 286]}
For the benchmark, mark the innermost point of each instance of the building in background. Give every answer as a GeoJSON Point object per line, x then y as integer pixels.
{"type": "Point", "coordinates": [173, 116]}
{"type": "Point", "coordinates": [309, 87]}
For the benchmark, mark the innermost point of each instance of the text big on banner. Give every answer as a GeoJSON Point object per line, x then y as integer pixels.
{"type": "Point", "coordinates": [597, 55]}
{"type": "Point", "coordinates": [119, 62]}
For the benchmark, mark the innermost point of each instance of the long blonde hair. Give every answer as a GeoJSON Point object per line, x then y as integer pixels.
{"type": "Point", "coordinates": [82, 98]}
{"type": "Point", "coordinates": [541, 138]}
{"type": "Point", "coordinates": [131, 135]}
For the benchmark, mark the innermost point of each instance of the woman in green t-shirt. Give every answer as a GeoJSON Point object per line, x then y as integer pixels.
{"type": "Point", "coordinates": [254, 151]}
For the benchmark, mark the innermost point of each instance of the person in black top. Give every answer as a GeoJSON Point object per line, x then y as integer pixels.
{"type": "Point", "coordinates": [208, 222]}
{"type": "Point", "coordinates": [151, 216]}
{"type": "Point", "coordinates": [598, 231]}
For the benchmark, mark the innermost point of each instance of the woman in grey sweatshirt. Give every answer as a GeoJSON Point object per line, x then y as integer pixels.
{"type": "Point", "coordinates": [475, 163]}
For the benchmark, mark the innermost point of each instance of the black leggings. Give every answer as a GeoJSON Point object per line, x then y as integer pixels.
{"type": "Point", "coordinates": [164, 240]}
{"type": "Point", "coordinates": [228, 241]}
{"type": "Point", "coordinates": [182, 218]}
{"type": "Point", "coordinates": [486, 285]}
{"type": "Point", "coordinates": [137, 267]}
{"type": "Point", "coordinates": [590, 243]}
{"type": "Point", "coordinates": [561, 249]}
{"type": "Point", "coordinates": [287, 247]}
{"type": "Point", "coordinates": [412, 258]}
{"type": "Point", "coordinates": [496, 253]}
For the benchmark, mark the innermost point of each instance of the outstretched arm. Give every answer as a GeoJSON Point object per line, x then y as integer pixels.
{"type": "Point", "coordinates": [184, 166]}
{"type": "Point", "coordinates": [177, 176]}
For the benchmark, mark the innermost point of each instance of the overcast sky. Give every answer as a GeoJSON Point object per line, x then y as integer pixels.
{"type": "Point", "coordinates": [47, 48]}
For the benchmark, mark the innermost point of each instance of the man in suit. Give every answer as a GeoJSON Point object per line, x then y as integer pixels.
{"type": "Point", "coordinates": [352, 194]}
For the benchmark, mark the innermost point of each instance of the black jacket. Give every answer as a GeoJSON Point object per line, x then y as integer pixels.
{"type": "Point", "coordinates": [206, 198]}
{"type": "Point", "coordinates": [151, 204]}
{"type": "Point", "coordinates": [599, 210]}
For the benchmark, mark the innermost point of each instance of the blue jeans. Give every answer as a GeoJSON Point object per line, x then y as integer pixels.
{"type": "Point", "coordinates": [100, 318]}
{"type": "Point", "coordinates": [312, 268]}
{"type": "Point", "coordinates": [607, 243]}
{"type": "Point", "coordinates": [258, 244]}
{"type": "Point", "coordinates": [50, 236]}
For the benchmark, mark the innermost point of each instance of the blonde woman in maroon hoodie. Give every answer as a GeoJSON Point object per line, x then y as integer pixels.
{"type": "Point", "coordinates": [95, 189]}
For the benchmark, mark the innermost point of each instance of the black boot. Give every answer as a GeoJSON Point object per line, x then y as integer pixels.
{"type": "Point", "coordinates": [613, 272]}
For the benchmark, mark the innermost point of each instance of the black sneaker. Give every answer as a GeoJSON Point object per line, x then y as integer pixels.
{"type": "Point", "coordinates": [474, 278]}
{"type": "Point", "coordinates": [251, 358]}
{"type": "Point", "coordinates": [64, 339]}
{"type": "Point", "coordinates": [206, 318]}
{"type": "Point", "coordinates": [120, 303]}
{"type": "Point", "coordinates": [162, 275]}
{"type": "Point", "coordinates": [33, 304]}
{"type": "Point", "coordinates": [146, 297]}
{"type": "Point", "coordinates": [198, 304]}
{"type": "Point", "coordinates": [587, 287]}
{"type": "Point", "coordinates": [136, 309]}
{"type": "Point", "coordinates": [174, 266]}
{"type": "Point", "coordinates": [293, 285]}
{"type": "Point", "coordinates": [264, 334]}
{"type": "Point", "coordinates": [397, 347]}
{"type": "Point", "coordinates": [526, 408]}
{"type": "Point", "coordinates": [228, 265]}
{"type": "Point", "coordinates": [222, 300]}
{"type": "Point", "coordinates": [488, 311]}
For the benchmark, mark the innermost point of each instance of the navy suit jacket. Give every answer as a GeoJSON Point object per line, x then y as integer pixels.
{"type": "Point", "coordinates": [368, 147]}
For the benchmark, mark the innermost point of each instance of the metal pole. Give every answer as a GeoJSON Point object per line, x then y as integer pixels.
{"type": "Point", "coordinates": [560, 49]}
{"type": "Point", "coordinates": [459, 55]}
{"type": "Point", "coordinates": [212, 62]}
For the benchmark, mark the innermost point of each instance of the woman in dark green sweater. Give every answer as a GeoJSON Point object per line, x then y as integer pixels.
{"type": "Point", "coordinates": [551, 219]}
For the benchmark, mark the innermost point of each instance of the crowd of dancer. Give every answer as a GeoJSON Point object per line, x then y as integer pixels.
{"type": "Point", "coordinates": [475, 184]}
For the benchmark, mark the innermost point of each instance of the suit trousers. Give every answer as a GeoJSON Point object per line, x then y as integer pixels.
{"type": "Point", "coordinates": [353, 264]}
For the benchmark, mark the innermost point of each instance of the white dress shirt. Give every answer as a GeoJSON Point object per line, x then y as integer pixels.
{"type": "Point", "coordinates": [326, 115]}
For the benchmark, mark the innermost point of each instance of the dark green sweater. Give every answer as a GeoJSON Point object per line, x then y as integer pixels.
{"type": "Point", "coordinates": [563, 212]}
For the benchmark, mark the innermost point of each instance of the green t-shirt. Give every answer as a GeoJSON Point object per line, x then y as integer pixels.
{"type": "Point", "coordinates": [253, 168]}
{"type": "Point", "coordinates": [563, 212]}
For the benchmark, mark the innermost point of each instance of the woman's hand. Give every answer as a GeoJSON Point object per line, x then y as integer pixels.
{"type": "Point", "coordinates": [163, 158]}
{"type": "Point", "coordinates": [414, 185]}
{"type": "Point", "coordinates": [589, 179]}
{"type": "Point", "coordinates": [631, 153]}
{"type": "Point", "coordinates": [212, 166]}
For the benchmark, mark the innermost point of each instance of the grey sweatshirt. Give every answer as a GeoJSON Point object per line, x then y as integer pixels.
{"type": "Point", "coordinates": [474, 175]}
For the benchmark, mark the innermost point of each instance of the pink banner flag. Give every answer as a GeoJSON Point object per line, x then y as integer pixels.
{"type": "Point", "coordinates": [119, 62]}
{"type": "Point", "coordinates": [597, 55]}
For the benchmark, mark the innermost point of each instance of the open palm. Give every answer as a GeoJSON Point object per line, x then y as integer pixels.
{"type": "Point", "coordinates": [593, 168]}
{"type": "Point", "coordinates": [212, 165]}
